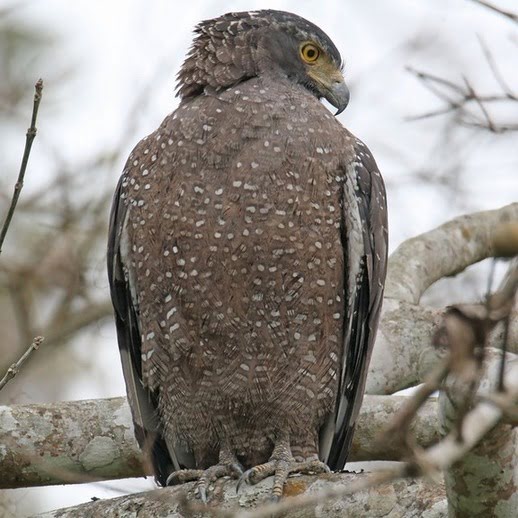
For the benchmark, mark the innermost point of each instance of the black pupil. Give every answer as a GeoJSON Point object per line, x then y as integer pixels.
{"type": "Point", "coordinates": [311, 53]}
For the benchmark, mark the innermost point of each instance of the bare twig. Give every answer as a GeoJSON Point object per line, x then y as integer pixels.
{"type": "Point", "coordinates": [501, 371]}
{"type": "Point", "coordinates": [475, 425]}
{"type": "Point", "coordinates": [459, 97]}
{"type": "Point", "coordinates": [473, 95]}
{"type": "Point", "coordinates": [13, 370]}
{"type": "Point", "coordinates": [495, 70]}
{"type": "Point", "coordinates": [507, 14]}
{"type": "Point", "coordinates": [399, 427]}
{"type": "Point", "coordinates": [31, 135]}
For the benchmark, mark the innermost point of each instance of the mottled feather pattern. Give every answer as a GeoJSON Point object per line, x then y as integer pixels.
{"type": "Point", "coordinates": [253, 232]}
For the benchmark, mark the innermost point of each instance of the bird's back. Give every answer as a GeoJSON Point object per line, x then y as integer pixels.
{"type": "Point", "coordinates": [236, 242]}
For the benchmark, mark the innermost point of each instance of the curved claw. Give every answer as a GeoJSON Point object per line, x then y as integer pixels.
{"type": "Point", "coordinates": [243, 478]}
{"type": "Point", "coordinates": [274, 499]}
{"type": "Point", "coordinates": [237, 469]}
{"type": "Point", "coordinates": [202, 491]}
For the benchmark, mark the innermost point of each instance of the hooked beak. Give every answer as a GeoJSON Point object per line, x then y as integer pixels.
{"type": "Point", "coordinates": [331, 85]}
{"type": "Point", "coordinates": [338, 95]}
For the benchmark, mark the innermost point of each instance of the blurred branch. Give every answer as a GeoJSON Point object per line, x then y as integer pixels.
{"type": "Point", "coordinates": [507, 14]}
{"type": "Point", "coordinates": [459, 96]}
{"type": "Point", "coordinates": [29, 139]}
{"type": "Point", "coordinates": [13, 370]}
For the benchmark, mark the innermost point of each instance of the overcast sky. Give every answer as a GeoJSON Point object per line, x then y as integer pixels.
{"type": "Point", "coordinates": [119, 46]}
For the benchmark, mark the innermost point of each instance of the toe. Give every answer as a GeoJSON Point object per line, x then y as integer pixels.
{"type": "Point", "coordinates": [183, 475]}
{"type": "Point", "coordinates": [202, 493]}
{"type": "Point", "coordinates": [244, 478]}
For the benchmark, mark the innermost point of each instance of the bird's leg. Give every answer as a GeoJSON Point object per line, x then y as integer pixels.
{"type": "Point", "coordinates": [281, 464]}
{"type": "Point", "coordinates": [228, 465]}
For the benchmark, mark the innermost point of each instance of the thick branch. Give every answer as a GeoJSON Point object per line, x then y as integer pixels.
{"type": "Point", "coordinates": [83, 441]}
{"type": "Point", "coordinates": [484, 482]}
{"type": "Point", "coordinates": [401, 498]}
{"type": "Point", "coordinates": [445, 251]}
{"type": "Point", "coordinates": [403, 353]}
{"type": "Point", "coordinates": [69, 442]}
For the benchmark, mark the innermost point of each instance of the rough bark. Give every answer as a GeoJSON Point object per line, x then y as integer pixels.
{"type": "Point", "coordinates": [67, 442]}
{"type": "Point", "coordinates": [84, 441]}
{"type": "Point", "coordinates": [401, 498]}
{"type": "Point", "coordinates": [485, 483]}
{"type": "Point", "coordinates": [403, 353]}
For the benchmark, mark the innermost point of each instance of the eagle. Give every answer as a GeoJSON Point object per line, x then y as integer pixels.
{"type": "Point", "coordinates": [246, 259]}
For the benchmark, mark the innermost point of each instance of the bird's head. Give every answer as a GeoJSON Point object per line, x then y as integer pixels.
{"type": "Point", "coordinates": [238, 46]}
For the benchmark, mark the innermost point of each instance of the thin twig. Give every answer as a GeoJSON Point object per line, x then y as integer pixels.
{"type": "Point", "coordinates": [399, 426]}
{"type": "Point", "coordinates": [508, 14]}
{"type": "Point", "coordinates": [13, 370]}
{"type": "Point", "coordinates": [501, 370]}
{"type": "Point", "coordinates": [30, 136]}
{"type": "Point", "coordinates": [499, 78]}
{"type": "Point", "coordinates": [473, 95]}
{"type": "Point", "coordinates": [459, 97]}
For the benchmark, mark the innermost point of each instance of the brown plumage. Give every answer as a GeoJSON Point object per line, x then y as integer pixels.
{"type": "Point", "coordinates": [247, 258]}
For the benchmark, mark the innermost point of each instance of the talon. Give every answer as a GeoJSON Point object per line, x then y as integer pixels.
{"type": "Point", "coordinates": [237, 469]}
{"type": "Point", "coordinates": [274, 498]}
{"type": "Point", "coordinates": [243, 478]}
{"type": "Point", "coordinates": [202, 492]}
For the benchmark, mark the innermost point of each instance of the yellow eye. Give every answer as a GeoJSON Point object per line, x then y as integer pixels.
{"type": "Point", "coordinates": [309, 52]}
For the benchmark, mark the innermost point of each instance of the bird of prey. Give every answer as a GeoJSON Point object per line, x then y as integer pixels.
{"type": "Point", "coordinates": [247, 258]}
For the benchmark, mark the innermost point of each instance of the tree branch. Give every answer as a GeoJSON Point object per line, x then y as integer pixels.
{"type": "Point", "coordinates": [445, 251]}
{"type": "Point", "coordinates": [404, 353]}
{"type": "Point", "coordinates": [31, 135]}
{"type": "Point", "coordinates": [84, 441]}
{"type": "Point", "coordinates": [401, 498]}
{"type": "Point", "coordinates": [507, 14]}
{"type": "Point", "coordinates": [484, 483]}
{"type": "Point", "coordinates": [13, 370]}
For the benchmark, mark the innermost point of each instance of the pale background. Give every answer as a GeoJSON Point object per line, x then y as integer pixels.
{"type": "Point", "coordinates": [107, 52]}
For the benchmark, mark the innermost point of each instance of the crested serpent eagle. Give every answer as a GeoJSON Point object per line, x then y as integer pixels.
{"type": "Point", "coordinates": [247, 258]}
